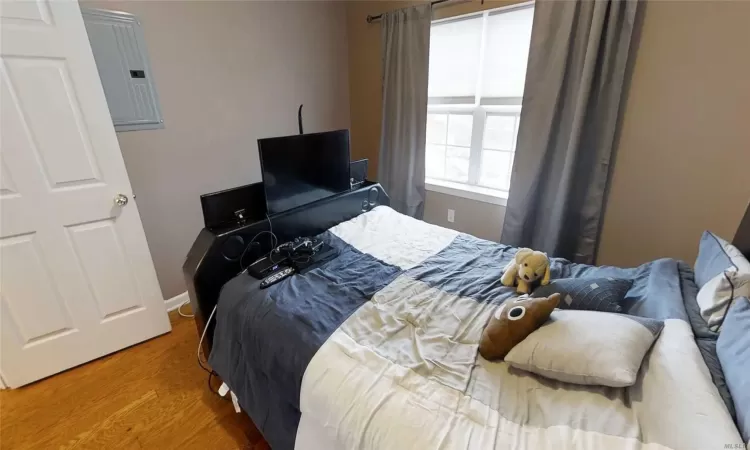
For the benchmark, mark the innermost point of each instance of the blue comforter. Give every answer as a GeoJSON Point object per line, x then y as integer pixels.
{"type": "Point", "coordinates": [265, 339]}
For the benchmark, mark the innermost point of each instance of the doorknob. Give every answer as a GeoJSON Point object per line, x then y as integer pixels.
{"type": "Point", "coordinates": [121, 200]}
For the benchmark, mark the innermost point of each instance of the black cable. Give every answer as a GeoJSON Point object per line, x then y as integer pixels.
{"type": "Point", "coordinates": [289, 254]}
{"type": "Point", "coordinates": [247, 247]}
{"type": "Point", "coordinates": [206, 369]}
{"type": "Point", "coordinates": [211, 374]}
{"type": "Point", "coordinates": [210, 388]}
{"type": "Point", "coordinates": [274, 242]}
{"type": "Point", "coordinates": [203, 335]}
{"type": "Point", "coordinates": [299, 119]}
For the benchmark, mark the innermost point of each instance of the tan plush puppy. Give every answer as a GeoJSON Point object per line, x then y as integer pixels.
{"type": "Point", "coordinates": [526, 268]}
{"type": "Point", "coordinates": [513, 321]}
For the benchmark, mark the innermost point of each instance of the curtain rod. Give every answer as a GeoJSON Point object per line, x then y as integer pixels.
{"type": "Point", "coordinates": [371, 19]}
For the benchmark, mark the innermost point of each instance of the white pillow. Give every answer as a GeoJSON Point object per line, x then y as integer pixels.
{"type": "Point", "coordinates": [587, 347]}
{"type": "Point", "coordinates": [718, 293]}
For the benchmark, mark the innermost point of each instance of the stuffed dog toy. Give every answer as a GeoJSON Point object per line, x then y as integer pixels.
{"type": "Point", "coordinates": [526, 268]}
{"type": "Point", "coordinates": [512, 322]}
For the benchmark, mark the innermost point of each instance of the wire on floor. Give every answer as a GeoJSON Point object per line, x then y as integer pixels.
{"type": "Point", "coordinates": [200, 342]}
{"type": "Point", "coordinates": [201, 363]}
{"type": "Point", "coordinates": [211, 372]}
{"type": "Point", "coordinates": [210, 386]}
{"type": "Point", "coordinates": [179, 310]}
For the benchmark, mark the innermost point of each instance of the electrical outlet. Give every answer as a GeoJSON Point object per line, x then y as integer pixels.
{"type": "Point", "coordinates": [451, 215]}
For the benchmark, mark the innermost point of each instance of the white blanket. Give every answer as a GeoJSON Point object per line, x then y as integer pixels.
{"type": "Point", "coordinates": [403, 372]}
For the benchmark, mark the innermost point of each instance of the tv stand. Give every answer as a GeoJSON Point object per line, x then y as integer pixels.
{"type": "Point", "coordinates": [215, 255]}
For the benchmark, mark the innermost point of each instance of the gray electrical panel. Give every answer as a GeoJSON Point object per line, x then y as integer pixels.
{"type": "Point", "coordinates": [120, 54]}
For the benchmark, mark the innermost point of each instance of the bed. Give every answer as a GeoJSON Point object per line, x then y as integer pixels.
{"type": "Point", "coordinates": [378, 349]}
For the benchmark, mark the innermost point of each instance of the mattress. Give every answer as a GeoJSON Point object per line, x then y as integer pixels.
{"type": "Point", "coordinates": [377, 349]}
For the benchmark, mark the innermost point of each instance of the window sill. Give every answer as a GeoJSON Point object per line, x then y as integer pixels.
{"type": "Point", "coordinates": [478, 193]}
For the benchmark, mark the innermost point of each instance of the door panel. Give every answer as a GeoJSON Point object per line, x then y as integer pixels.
{"type": "Point", "coordinates": [113, 285]}
{"type": "Point", "coordinates": [7, 186]}
{"type": "Point", "coordinates": [26, 12]}
{"type": "Point", "coordinates": [76, 277]}
{"type": "Point", "coordinates": [45, 90]}
{"type": "Point", "coordinates": [36, 308]}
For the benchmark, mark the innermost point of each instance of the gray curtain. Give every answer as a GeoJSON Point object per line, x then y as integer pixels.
{"type": "Point", "coordinates": [574, 85]}
{"type": "Point", "coordinates": [406, 54]}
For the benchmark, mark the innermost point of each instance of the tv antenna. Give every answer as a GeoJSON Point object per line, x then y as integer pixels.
{"type": "Point", "coordinates": [299, 119]}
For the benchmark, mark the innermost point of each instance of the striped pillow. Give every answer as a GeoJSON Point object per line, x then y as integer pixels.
{"type": "Point", "coordinates": [718, 293]}
{"type": "Point", "coordinates": [715, 255]}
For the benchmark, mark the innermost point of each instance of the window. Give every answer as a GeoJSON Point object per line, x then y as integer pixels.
{"type": "Point", "coordinates": [477, 75]}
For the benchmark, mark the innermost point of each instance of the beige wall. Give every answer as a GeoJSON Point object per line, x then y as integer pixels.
{"type": "Point", "coordinates": [481, 219]}
{"type": "Point", "coordinates": [227, 73]}
{"type": "Point", "coordinates": [683, 156]}
{"type": "Point", "coordinates": [683, 160]}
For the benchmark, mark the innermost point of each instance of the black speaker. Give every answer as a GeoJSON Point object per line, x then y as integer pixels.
{"type": "Point", "coordinates": [234, 206]}
{"type": "Point", "coordinates": [233, 247]}
{"type": "Point", "coordinates": [358, 172]}
{"type": "Point", "coordinates": [372, 196]}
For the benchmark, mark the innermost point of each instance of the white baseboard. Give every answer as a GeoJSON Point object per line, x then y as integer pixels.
{"type": "Point", "coordinates": [175, 302]}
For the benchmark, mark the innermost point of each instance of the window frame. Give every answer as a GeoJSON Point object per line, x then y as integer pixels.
{"type": "Point", "coordinates": [480, 108]}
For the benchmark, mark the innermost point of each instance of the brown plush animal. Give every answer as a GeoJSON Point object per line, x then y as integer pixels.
{"type": "Point", "coordinates": [513, 321]}
{"type": "Point", "coordinates": [526, 268]}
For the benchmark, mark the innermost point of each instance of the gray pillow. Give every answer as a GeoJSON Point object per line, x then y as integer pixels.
{"type": "Point", "coordinates": [587, 347]}
{"type": "Point", "coordinates": [590, 294]}
{"type": "Point", "coordinates": [715, 255]}
{"type": "Point", "coordinates": [733, 349]}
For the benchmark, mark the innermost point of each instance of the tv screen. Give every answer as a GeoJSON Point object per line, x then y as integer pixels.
{"type": "Point", "coordinates": [301, 169]}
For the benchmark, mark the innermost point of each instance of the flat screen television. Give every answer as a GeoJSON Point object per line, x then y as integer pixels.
{"type": "Point", "coordinates": [301, 169]}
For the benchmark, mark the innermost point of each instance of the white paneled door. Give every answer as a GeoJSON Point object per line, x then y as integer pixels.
{"type": "Point", "coordinates": [76, 276]}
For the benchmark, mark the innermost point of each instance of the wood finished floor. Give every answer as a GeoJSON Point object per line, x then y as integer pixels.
{"type": "Point", "coordinates": [150, 396]}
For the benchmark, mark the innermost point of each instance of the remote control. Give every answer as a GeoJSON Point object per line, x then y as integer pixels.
{"type": "Point", "coordinates": [276, 277]}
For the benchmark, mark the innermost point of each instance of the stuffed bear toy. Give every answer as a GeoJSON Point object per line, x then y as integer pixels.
{"type": "Point", "coordinates": [526, 268]}
{"type": "Point", "coordinates": [513, 322]}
